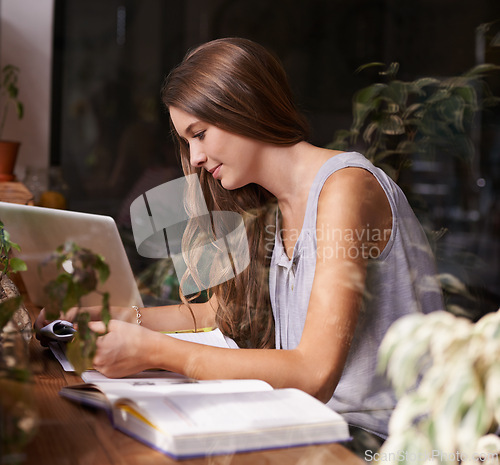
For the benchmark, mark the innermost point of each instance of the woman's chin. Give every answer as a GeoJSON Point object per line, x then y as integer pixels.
{"type": "Point", "coordinates": [227, 185]}
{"type": "Point", "coordinates": [231, 186]}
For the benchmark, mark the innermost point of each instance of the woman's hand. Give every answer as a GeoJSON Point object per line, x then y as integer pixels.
{"type": "Point", "coordinates": [70, 315]}
{"type": "Point", "coordinates": [123, 350]}
{"type": "Point", "coordinates": [40, 322]}
{"type": "Point", "coordinates": [121, 313]}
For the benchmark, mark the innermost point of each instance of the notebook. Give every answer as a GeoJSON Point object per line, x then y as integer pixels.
{"type": "Point", "coordinates": [39, 231]}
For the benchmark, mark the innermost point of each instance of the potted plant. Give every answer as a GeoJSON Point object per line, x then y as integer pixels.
{"type": "Point", "coordinates": [9, 96]}
{"type": "Point", "coordinates": [394, 121]}
{"type": "Point", "coordinates": [18, 417]}
{"type": "Point", "coordinates": [12, 310]}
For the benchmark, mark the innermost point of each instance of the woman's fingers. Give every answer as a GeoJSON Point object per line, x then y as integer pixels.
{"type": "Point", "coordinates": [97, 326]}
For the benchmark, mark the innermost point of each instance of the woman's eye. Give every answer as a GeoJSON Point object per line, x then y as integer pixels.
{"type": "Point", "coordinates": [200, 135]}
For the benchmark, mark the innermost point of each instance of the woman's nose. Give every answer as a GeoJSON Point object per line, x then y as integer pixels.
{"type": "Point", "coordinates": [197, 156]}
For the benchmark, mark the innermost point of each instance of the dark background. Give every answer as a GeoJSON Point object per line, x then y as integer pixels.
{"type": "Point", "coordinates": [110, 135]}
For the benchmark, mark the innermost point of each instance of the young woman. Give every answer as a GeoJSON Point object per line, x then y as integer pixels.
{"type": "Point", "coordinates": [349, 256]}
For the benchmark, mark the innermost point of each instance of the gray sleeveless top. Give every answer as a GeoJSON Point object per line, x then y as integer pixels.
{"type": "Point", "coordinates": [401, 280]}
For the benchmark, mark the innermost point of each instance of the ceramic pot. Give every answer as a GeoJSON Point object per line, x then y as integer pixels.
{"type": "Point", "coordinates": [8, 157]}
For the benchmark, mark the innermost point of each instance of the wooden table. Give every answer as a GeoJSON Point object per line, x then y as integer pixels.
{"type": "Point", "coordinates": [69, 434]}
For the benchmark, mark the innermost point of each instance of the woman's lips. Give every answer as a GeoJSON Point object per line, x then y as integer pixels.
{"type": "Point", "coordinates": [215, 171]}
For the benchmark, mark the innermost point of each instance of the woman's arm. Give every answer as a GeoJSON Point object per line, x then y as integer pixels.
{"type": "Point", "coordinates": [167, 318]}
{"type": "Point", "coordinates": [177, 317]}
{"type": "Point", "coordinates": [352, 204]}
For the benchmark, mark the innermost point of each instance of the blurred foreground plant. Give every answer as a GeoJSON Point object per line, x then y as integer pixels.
{"type": "Point", "coordinates": [18, 415]}
{"type": "Point", "coordinates": [81, 272]}
{"type": "Point", "coordinates": [12, 310]}
{"type": "Point", "coordinates": [446, 373]}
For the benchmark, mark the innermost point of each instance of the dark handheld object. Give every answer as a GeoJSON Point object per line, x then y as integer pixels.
{"type": "Point", "coordinates": [58, 330]}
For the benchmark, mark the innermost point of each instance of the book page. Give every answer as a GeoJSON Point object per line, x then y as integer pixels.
{"type": "Point", "coordinates": [93, 376]}
{"type": "Point", "coordinates": [136, 389]}
{"type": "Point", "coordinates": [236, 411]}
{"type": "Point", "coordinates": [213, 338]}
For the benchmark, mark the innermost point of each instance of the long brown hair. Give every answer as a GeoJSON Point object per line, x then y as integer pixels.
{"type": "Point", "coordinates": [240, 87]}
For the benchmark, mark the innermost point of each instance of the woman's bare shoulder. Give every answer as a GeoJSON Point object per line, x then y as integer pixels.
{"type": "Point", "coordinates": [354, 193]}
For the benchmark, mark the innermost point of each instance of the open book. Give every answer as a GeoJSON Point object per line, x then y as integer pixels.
{"type": "Point", "coordinates": [185, 418]}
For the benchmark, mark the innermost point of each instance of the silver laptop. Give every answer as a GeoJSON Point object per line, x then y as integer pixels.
{"type": "Point", "coordinates": [39, 231]}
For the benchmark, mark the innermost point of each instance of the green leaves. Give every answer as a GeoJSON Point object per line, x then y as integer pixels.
{"type": "Point", "coordinates": [364, 103]}
{"type": "Point", "coordinates": [81, 350]}
{"type": "Point", "coordinates": [481, 70]}
{"type": "Point", "coordinates": [9, 93]}
{"type": "Point", "coordinates": [435, 115]}
{"type": "Point", "coordinates": [9, 264]}
{"type": "Point", "coordinates": [105, 312]}
{"type": "Point", "coordinates": [446, 372]}
{"type": "Point", "coordinates": [16, 264]}
{"type": "Point", "coordinates": [81, 272]}
{"type": "Point", "coordinates": [8, 308]}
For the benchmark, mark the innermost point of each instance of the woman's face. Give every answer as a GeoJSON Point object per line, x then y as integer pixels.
{"type": "Point", "coordinates": [230, 158]}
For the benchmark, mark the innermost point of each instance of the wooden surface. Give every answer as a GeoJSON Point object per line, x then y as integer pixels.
{"type": "Point", "coordinates": [15, 192]}
{"type": "Point", "coordinates": [71, 434]}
